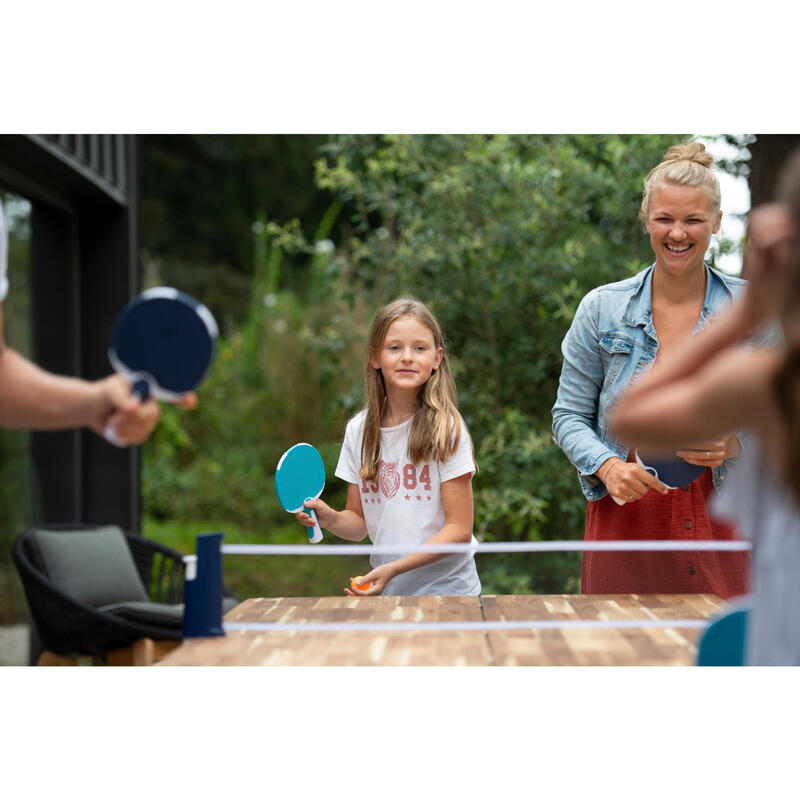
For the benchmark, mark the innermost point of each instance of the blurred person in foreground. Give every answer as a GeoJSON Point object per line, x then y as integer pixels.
{"type": "Point", "coordinates": [31, 398]}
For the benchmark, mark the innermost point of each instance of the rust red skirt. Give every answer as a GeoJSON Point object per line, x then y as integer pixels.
{"type": "Point", "coordinates": [680, 514]}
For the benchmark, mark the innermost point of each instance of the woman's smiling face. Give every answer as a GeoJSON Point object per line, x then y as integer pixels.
{"type": "Point", "coordinates": [680, 223]}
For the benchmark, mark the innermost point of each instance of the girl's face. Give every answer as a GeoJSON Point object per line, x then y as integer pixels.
{"type": "Point", "coordinates": [680, 223]}
{"type": "Point", "coordinates": [408, 355]}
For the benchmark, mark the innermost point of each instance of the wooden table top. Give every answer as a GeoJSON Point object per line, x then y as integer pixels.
{"type": "Point", "coordinates": [597, 646]}
{"type": "Point", "coordinates": [559, 647]}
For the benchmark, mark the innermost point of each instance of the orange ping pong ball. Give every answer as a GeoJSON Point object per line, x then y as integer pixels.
{"type": "Point", "coordinates": [361, 586]}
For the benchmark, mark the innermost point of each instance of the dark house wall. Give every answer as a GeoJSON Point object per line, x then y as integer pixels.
{"type": "Point", "coordinates": [84, 243]}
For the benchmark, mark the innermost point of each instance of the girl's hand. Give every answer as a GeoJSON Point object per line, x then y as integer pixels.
{"type": "Point", "coordinates": [630, 482]}
{"type": "Point", "coordinates": [711, 453]}
{"type": "Point", "coordinates": [325, 514]}
{"type": "Point", "coordinates": [379, 577]}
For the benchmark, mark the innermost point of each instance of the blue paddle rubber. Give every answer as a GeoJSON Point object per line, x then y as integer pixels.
{"type": "Point", "coordinates": [674, 473]}
{"type": "Point", "coordinates": [165, 338]}
{"type": "Point", "coordinates": [724, 642]}
{"type": "Point", "coordinates": [163, 343]}
{"type": "Point", "coordinates": [300, 477]}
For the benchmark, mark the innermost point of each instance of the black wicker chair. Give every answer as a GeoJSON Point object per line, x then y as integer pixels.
{"type": "Point", "coordinates": [68, 626]}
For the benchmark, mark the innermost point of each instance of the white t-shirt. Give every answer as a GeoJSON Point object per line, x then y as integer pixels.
{"type": "Point", "coordinates": [405, 506]}
{"type": "Point", "coordinates": [3, 256]}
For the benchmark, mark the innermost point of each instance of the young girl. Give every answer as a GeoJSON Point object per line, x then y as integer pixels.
{"type": "Point", "coordinates": [717, 383]}
{"type": "Point", "coordinates": [408, 459]}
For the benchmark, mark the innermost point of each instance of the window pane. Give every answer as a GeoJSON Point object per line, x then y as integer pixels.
{"type": "Point", "coordinates": [16, 473]}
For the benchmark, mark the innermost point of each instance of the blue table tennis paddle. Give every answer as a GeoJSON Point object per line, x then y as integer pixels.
{"type": "Point", "coordinates": [300, 476]}
{"type": "Point", "coordinates": [674, 473]}
{"type": "Point", "coordinates": [163, 342]}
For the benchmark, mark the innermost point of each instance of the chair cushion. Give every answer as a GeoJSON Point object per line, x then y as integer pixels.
{"type": "Point", "coordinates": [157, 613]}
{"type": "Point", "coordinates": [153, 613]}
{"type": "Point", "coordinates": [94, 567]}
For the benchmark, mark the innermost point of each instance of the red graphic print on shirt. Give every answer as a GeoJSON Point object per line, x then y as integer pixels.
{"type": "Point", "coordinates": [389, 478]}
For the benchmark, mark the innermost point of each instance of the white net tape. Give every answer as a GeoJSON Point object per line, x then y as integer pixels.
{"type": "Point", "coordinates": [482, 547]}
{"type": "Point", "coordinates": [499, 625]}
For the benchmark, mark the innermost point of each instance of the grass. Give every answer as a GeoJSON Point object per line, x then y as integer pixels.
{"type": "Point", "coordinates": [264, 576]}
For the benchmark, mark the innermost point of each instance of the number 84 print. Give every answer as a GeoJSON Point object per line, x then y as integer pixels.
{"type": "Point", "coordinates": [389, 479]}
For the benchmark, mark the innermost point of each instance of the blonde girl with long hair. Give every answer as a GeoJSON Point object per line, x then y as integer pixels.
{"type": "Point", "coordinates": [408, 459]}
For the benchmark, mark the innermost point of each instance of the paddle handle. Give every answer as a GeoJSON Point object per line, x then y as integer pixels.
{"type": "Point", "coordinates": [141, 389]}
{"type": "Point", "coordinates": [315, 533]}
{"type": "Point", "coordinates": [112, 438]}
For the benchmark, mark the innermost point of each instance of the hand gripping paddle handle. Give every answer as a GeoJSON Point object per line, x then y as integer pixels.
{"type": "Point", "coordinates": [648, 469]}
{"type": "Point", "coordinates": [140, 389]}
{"type": "Point", "coordinates": [315, 534]}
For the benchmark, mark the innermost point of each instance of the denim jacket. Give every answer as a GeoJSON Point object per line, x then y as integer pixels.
{"type": "Point", "coordinates": [611, 340]}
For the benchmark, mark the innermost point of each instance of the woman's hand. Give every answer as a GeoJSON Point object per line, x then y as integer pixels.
{"type": "Point", "coordinates": [711, 453]}
{"type": "Point", "coordinates": [378, 577]}
{"type": "Point", "coordinates": [629, 482]}
{"type": "Point", "coordinates": [325, 514]}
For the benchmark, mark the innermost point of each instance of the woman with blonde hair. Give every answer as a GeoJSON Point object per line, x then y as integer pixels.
{"type": "Point", "coordinates": [619, 332]}
{"type": "Point", "coordinates": [408, 460]}
{"type": "Point", "coordinates": [721, 381]}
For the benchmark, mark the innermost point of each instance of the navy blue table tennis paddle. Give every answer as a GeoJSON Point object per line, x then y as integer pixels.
{"type": "Point", "coordinates": [674, 473]}
{"type": "Point", "coordinates": [299, 477]}
{"type": "Point", "coordinates": [163, 342]}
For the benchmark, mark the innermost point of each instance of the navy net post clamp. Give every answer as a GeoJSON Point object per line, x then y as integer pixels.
{"type": "Point", "coordinates": [202, 588]}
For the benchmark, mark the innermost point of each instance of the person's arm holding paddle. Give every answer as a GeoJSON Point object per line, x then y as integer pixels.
{"type": "Point", "coordinates": [575, 415]}
{"type": "Point", "coordinates": [31, 398]}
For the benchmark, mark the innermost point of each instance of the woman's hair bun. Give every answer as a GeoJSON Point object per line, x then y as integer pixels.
{"type": "Point", "coordinates": [685, 164]}
{"type": "Point", "coordinates": [690, 151]}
